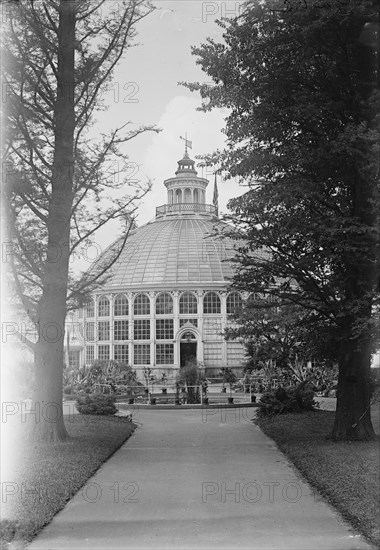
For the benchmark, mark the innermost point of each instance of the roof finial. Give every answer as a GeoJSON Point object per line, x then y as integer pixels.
{"type": "Point", "coordinates": [188, 143]}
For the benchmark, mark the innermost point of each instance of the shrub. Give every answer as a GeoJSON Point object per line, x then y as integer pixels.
{"type": "Point", "coordinates": [96, 404]}
{"type": "Point", "coordinates": [287, 400]}
{"type": "Point", "coordinates": [67, 390]}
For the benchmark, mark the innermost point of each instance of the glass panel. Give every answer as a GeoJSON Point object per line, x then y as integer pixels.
{"type": "Point", "coordinates": [103, 330]}
{"type": "Point", "coordinates": [141, 354]}
{"type": "Point", "coordinates": [104, 352]}
{"type": "Point", "coordinates": [188, 303]}
{"type": "Point", "coordinates": [90, 354]}
{"type": "Point", "coordinates": [90, 331]}
{"type": "Point", "coordinates": [211, 303]}
{"type": "Point", "coordinates": [121, 353]}
{"type": "Point", "coordinates": [234, 302]}
{"type": "Point", "coordinates": [103, 306]}
{"type": "Point", "coordinates": [120, 330]}
{"type": "Point", "coordinates": [120, 306]}
{"type": "Point", "coordinates": [164, 304]}
{"type": "Point", "coordinates": [164, 329]}
{"type": "Point", "coordinates": [142, 329]}
{"type": "Point", "coordinates": [89, 309]}
{"type": "Point", "coordinates": [141, 305]}
{"type": "Point", "coordinates": [165, 354]}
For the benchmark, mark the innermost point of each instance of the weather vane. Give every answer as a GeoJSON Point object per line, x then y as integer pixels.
{"type": "Point", "coordinates": [188, 143]}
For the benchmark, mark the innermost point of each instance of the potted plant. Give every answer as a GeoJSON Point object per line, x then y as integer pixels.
{"type": "Point", "coordinates": [204, 392]}
{"type": "Point", "coordinates": [163, 381]}
{"type": "Point", "coordinates": [177, 400]}
{"type": "Point", "coordinates": [230, 378]}
{"type": "Point", "coordinates": [147, 373]}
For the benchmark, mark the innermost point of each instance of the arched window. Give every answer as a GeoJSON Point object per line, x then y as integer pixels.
{"type": "Point", "coordinates": [211, 303]}
{"type": "Point", "coordinates": [187, 195]}
{"type": "Point", "coordinates": [196, 195]}
{"type": "Point", "coordinates": [120, 305]}
{"type": "Point", "coordinates": [234, 302]}
{"type": "Point", "coordinates": [188, 303]}
{"type": "Point", "coordinates": [141, 305]}
{"type": "Point", "coordinates": [164, 304]}
{"type": "Point", "coordinates": [103, 306]}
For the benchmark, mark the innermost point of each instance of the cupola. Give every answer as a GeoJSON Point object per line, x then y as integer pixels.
{"type": "Point", "coordinates": [186, 191]}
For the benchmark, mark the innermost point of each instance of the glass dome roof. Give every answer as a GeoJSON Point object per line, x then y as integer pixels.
{"type": "Point", "coordinates": [186, 245]}
{"type": "Point", "coordinates": [173, 252]}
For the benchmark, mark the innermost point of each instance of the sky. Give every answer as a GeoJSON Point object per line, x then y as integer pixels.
{"type": "Point", "coordinates": [146, 92]}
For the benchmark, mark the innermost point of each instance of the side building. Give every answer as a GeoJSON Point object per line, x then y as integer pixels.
{"type": "Point", "coordinates": [166, 300]}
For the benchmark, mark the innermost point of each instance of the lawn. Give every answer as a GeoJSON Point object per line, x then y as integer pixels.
{"type": "Point", "coordinates": [47, 475]}
{"type": "Point", "coordinates": [346, 474]}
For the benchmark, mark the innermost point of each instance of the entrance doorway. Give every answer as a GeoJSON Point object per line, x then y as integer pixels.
{"type": "Point", "coordinates": [188, 352]}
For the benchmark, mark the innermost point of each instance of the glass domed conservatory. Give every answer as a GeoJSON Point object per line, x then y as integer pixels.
{"type": "Point", "coordinates": [166, 300]}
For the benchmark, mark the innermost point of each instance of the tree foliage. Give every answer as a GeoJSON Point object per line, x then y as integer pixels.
{"type": "Point", "coordinates": [34, 91]}
{"type": "Point", "coordinates": [301, 85]}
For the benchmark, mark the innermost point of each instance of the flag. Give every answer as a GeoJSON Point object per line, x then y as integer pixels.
{"type": "Point", "coordinates": [188, 143]}
{"type": "Point", "coordinates": [216, 194]}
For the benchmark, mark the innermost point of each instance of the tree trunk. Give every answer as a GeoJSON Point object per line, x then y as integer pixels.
{"type": "Point", "coordinates": [49, 354]}
{"type": "Point", "coordinates": [353, 412]}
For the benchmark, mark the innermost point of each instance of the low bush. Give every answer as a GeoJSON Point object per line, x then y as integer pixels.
{"type": "Point", "coordinates": [287, 400]}
{"type": "Point", "coordinates": [96, 404]}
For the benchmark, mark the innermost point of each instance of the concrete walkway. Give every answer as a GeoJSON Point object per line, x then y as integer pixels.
{"type": "Point", "coordinates": [197, 479]}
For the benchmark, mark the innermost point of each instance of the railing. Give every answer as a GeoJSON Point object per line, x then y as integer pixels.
{"type": "Point", "coordinates": [186, 207]}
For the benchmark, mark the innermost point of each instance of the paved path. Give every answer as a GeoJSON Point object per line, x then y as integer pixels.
{"type": "Point", "coordinates": [197, 479]}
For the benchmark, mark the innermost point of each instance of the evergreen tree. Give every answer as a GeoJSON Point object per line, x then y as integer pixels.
{"type": "Point", "coordinates": [301, 83]}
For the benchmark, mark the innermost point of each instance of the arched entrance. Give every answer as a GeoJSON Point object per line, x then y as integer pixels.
{"type": "Point", "coordinates": [188, 347]}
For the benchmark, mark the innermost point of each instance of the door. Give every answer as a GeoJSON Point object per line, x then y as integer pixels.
{"type": "Point", "coordinates": [188, 352]}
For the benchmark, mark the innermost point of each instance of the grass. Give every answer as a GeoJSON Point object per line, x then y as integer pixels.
{"type": "Point", "coordinates": [346, 474]}
{"type": "Point", "coordinates": [56, 471]}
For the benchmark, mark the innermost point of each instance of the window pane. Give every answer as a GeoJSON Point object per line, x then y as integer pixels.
{"type": "Point", "coordinates": [104, 352]}
{"type": "Point", "coordinates": [120, 306]}
{"type": "Point", "coordinates": [141, 305]}
{"type": "Point", "coordinates": [211, 303]}
{"type": "Point", "coordinates": [90, 331]}
{"type": "Point", "coordinates": [234, 302]}
{"type": "Point", "coordinates": [188, 303]}
{"type": "Point", "coordinates": [142, 329]}
{"type": "Point", "coordinates": [141, 354]}
{"type": "Point", "coordinates": [103, 306]}
{"type": "Point", "coordinates": [74, 359]}
{"type": "Point", "coordinates": [164, 304]}
{"type": "Point", "coordinates": [120, 330]}
{"type": "Point", "coordinates": [165, 354]}
{"type": "Point", "coordinates": [90, 354]}
{"type": "Point", "coordinates": [103, 330]}
{"type": "Point", "coordinates": [164, 329]}
{"type": "Point", "coordinates": [89, 309]}
{"type": "Point", "coordinates": [121, 353]}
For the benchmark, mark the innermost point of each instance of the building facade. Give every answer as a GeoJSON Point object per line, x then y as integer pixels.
{"type": "Point", "coordinates": [167, 300]}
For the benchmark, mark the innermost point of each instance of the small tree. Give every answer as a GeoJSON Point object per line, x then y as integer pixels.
{"type": "Point", "coordinates": [191, 376]}
{"type": "Point", "coordinates": [229, 377]}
